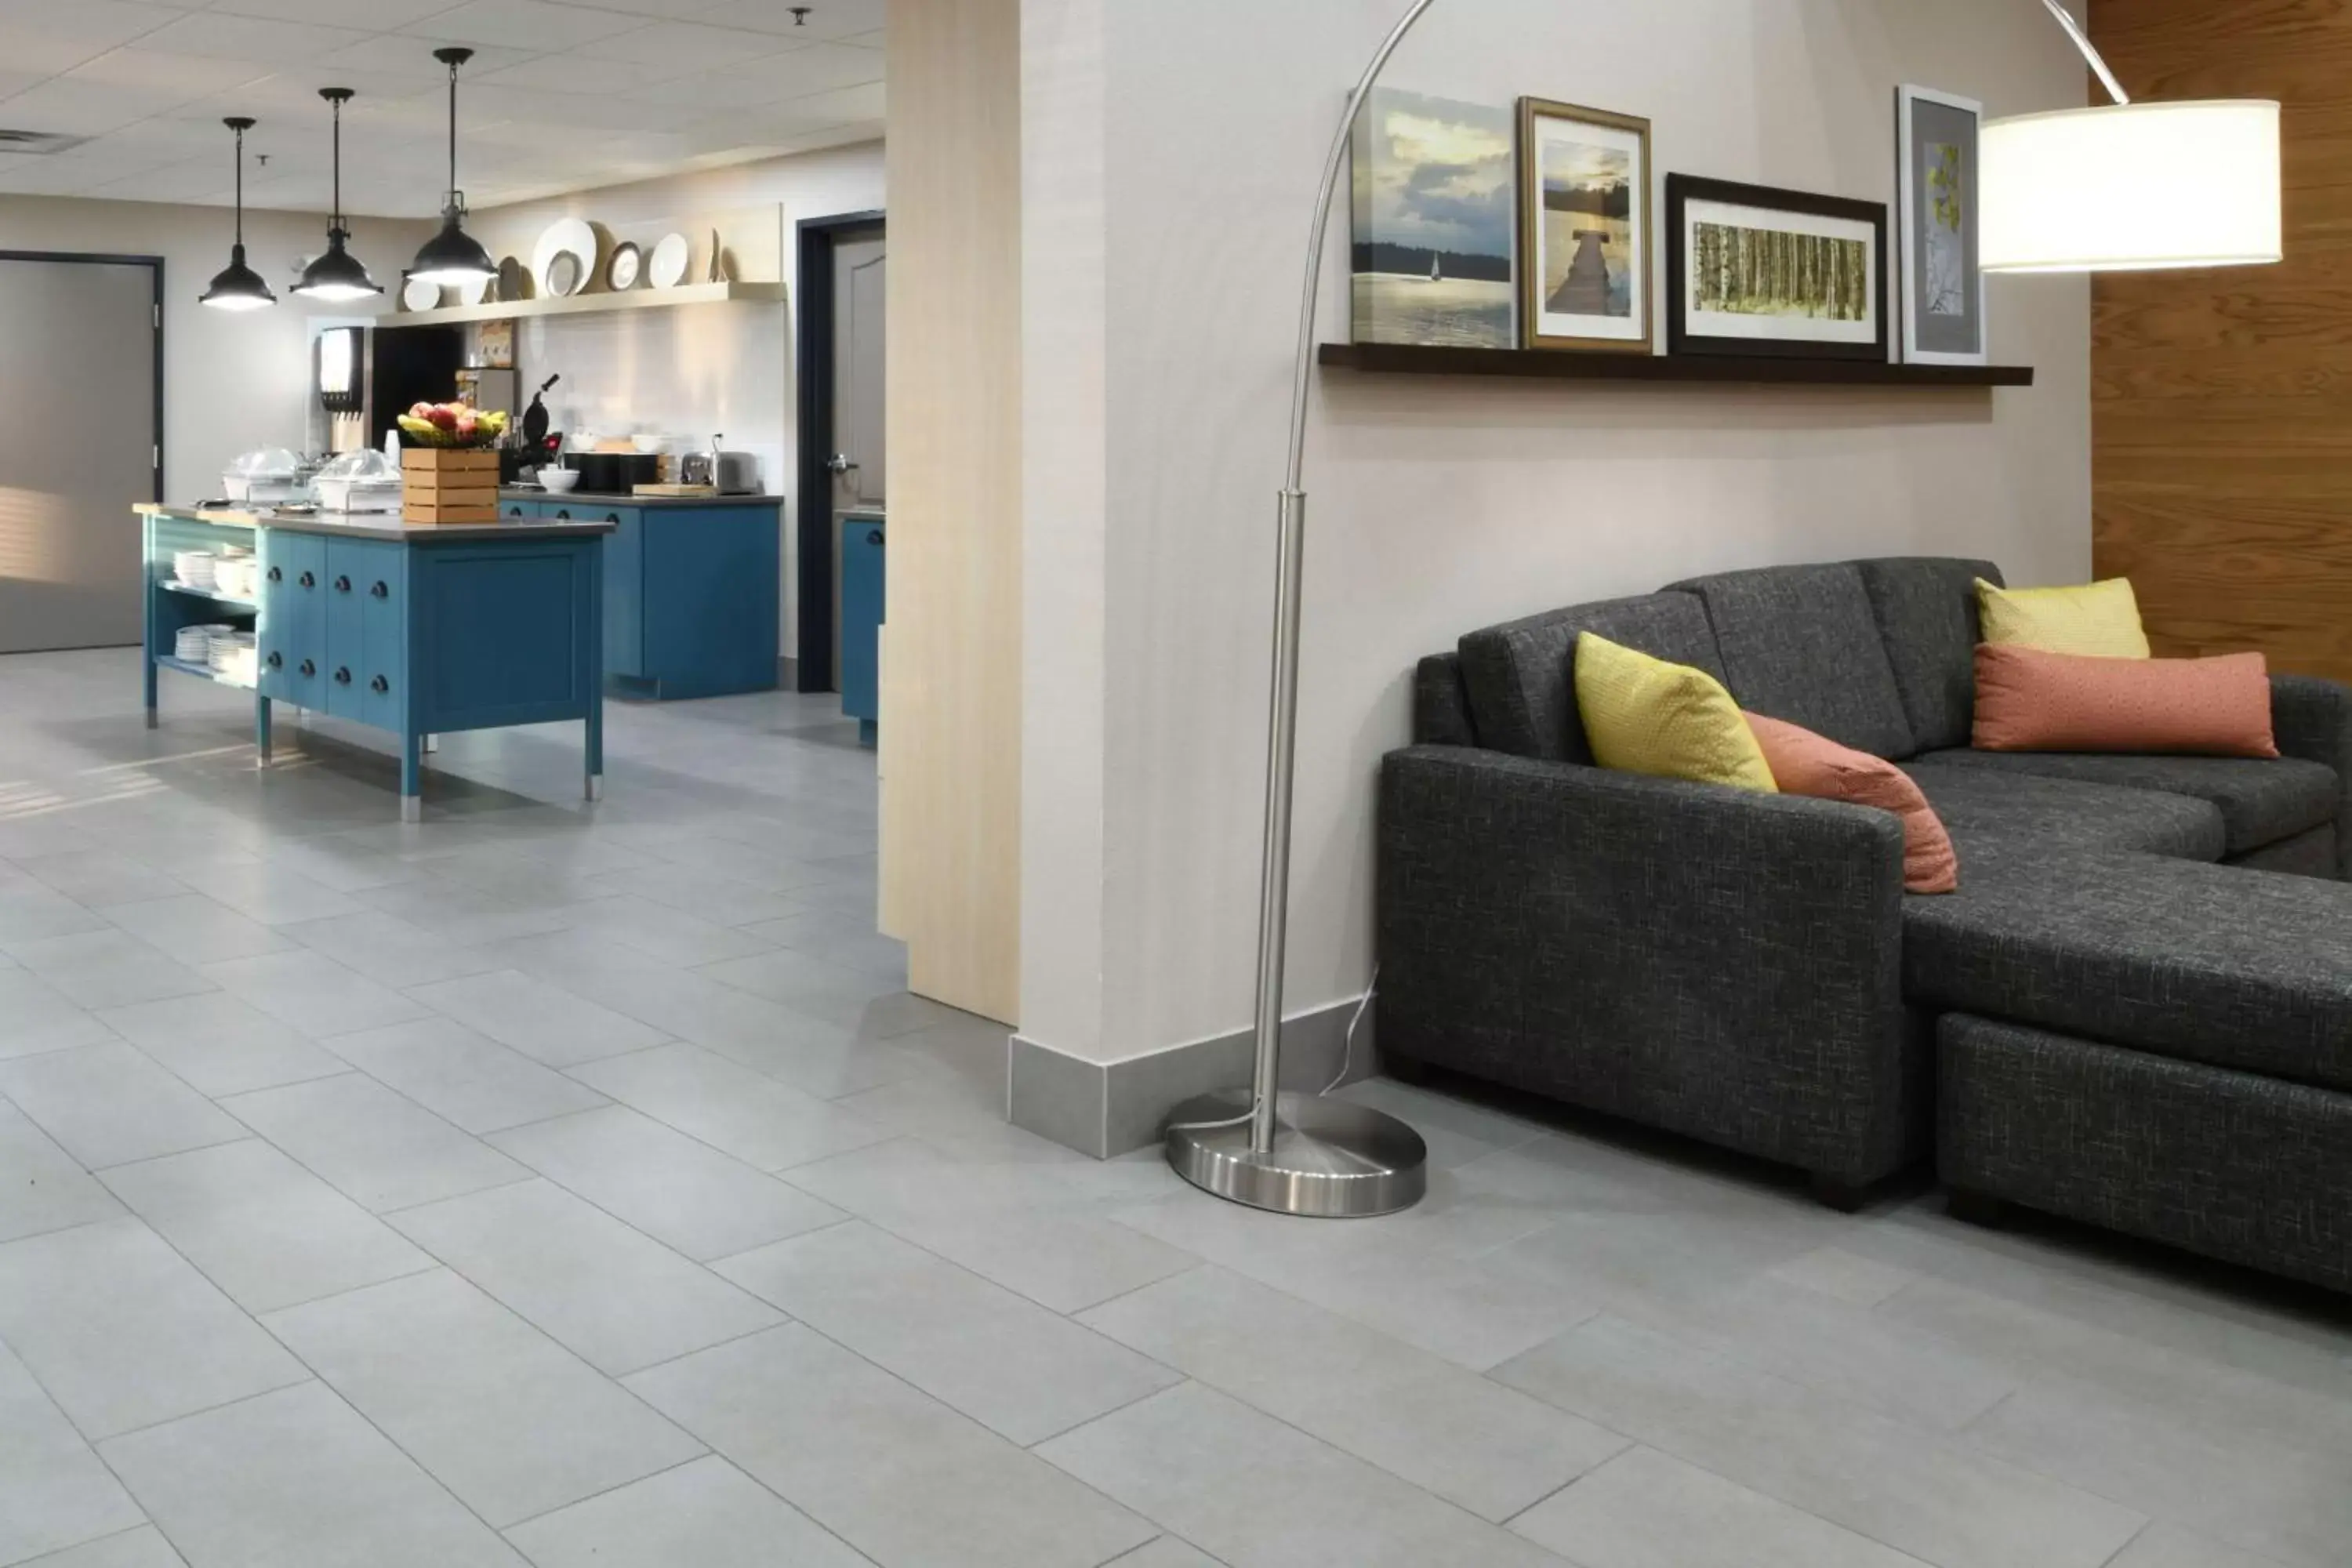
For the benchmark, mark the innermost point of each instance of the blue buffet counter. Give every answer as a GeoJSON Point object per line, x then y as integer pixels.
{"type": "Point", "coordinates": [415, 630]}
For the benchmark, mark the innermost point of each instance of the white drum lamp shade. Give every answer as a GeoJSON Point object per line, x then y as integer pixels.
{"type": "Point", "coordinates": [2132, 187]}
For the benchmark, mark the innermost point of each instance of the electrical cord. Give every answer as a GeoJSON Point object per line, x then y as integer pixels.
{"type": "Point", "coordinates": [1347, 1066]}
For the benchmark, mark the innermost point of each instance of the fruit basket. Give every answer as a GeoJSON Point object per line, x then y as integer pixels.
{"type": "Point", "coordinates": [451, 475]}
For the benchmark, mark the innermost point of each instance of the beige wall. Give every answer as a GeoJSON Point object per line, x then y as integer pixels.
{"type": "Point", "coordinates": [232, 380]}
{"type": "Point", "coordinates": [1438, 507]}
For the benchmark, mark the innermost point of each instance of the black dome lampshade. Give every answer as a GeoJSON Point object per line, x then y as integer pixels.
{"type": "Point", "coordinates": [338, 274]}
{"type": "Point", "coordinates": [237, 286]}
{"type": "Point", "coordinates": [452, 256]}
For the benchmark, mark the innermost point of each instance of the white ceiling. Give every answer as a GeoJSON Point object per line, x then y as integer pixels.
{"type": "Point", "coordinates": [561, 94]}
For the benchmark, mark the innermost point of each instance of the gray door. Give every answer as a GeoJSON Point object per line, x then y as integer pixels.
{"type": "Point", "coordinates": [78, 448]}
{"type": "Point", "coordinates": [860, 268]}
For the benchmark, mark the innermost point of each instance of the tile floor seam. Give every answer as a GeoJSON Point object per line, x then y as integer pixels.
{"type": "Point", "coordinates": [2128, 1545]}
{"type": "Point", "coordinates": [708, 1453]}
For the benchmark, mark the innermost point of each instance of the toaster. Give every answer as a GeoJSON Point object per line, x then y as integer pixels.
{"type": "Point", "coordinates": [738, 472]}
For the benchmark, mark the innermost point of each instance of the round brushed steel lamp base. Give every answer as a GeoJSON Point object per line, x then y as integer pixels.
{"type": "Point", "coordinates": [1331, 1159]}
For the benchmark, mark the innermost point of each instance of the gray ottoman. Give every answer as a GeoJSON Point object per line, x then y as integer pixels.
{"type": "Point", "coordinates": [2161, 1047]}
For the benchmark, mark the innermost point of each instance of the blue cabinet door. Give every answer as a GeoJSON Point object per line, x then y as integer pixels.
{"type": "Point", "coordinates": [624, 591]}
{"type": "Point", "coordinates": [292, 624]}
{"type": "Point", "coordinates": [861, 589]}
{"type": "Point", "coordinates": [367, 605]}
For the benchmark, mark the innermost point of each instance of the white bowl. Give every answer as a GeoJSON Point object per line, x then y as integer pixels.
{"type": "Point", "coordinates": [558, 481]}
{"type": "Point", "coordinates": [646, 442]}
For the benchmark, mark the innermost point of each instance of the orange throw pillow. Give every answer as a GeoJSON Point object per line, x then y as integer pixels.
{"type": "Point", "coordinates": [2028, 700]}
{"type": "Point", "coordinates": [1805, 763]}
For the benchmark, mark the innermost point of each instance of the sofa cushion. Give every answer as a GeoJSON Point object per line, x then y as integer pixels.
{"type": "Point", "coordinates": [2208, 963]}
{"type": "Point", "coordinates": [1644, 715]}
{"type": "Point", "coordinates": [1440, 709]}
{"type": "Point", "coordinates": [1799, 643]}
{"type": "Point", "coordinates": [1521, 678]}
{"type": "Point", "coordinates": [2014, 816]}
{"type": "Point", "coordinates": [1926, 612]}
{"type": "Point", "coordinates": [2261, 802]}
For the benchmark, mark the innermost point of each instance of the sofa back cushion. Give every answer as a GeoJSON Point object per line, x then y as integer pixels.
{"type": "Point", "coordinates": [1521, 678]}
{"type": "Point", "coordinates": [1926, 608]}
{"type": "Point", "coordinates": [1801, 644]}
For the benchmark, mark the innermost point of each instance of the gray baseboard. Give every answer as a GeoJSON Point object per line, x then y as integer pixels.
{"type": "Point", "coordinates": [1108, 1109]}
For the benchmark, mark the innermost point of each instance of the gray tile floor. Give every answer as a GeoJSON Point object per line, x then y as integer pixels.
{"type": "Point", "coordinates": [535, 1185]}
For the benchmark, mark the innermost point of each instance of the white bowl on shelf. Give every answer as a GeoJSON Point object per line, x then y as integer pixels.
{"type": "Point", "coordinates": [558, 481]}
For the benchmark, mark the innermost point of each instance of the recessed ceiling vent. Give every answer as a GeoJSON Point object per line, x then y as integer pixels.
{"type": "Point", "coordinates": [37, 142]}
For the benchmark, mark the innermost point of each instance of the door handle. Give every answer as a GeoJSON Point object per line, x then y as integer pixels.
{"type": "Point", "coordinates": [344, 675]}
{"type": "Point", "coordinates": [380, 684]}
{"type": "Point", "coordinates": [275, 575]}
{"type": "Point", "coordinates": [841, 463]}
{"type": "Point", "coordinates": [380, 590]}
{"type": "Point", "coordinates": [277, 661]}
{"type": "Point", "coordinates": [309, 581]}
{"type": "Point", "coordinates": [342, 585]}
{"type": "Point", "coordinates": [309, 668]}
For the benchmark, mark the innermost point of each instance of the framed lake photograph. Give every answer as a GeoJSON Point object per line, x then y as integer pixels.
{"type": "Point", "coordinates": [1935, 196]}
{"type": "Point", "coordinates": [1584, 228]}
{"type": "Point", "coordinates": [1752, 270]}
{"type": "Point", "coordinates": [1433, 222]}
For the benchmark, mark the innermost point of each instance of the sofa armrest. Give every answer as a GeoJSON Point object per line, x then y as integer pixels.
{"type": "Point", "coordinates": [2311, 719]}
{"type": "Point", "coordinates": [1719, 962]}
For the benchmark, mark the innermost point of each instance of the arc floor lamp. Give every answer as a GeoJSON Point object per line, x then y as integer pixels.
{"type": "Point", "coordinates": [2080, 190]}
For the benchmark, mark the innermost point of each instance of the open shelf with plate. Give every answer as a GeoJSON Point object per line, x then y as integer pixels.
{"type": "Point", "coordinates": [602, 301]}
{"type": "Point", "coordinates": [1548, 365]}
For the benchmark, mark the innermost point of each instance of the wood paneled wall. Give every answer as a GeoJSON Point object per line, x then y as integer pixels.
{"type": "Point", "coordinates": [2223, 399]}
{"type": "Point", "coordinates": [952, 648]}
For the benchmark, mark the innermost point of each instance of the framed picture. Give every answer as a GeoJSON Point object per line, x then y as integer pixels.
{"type": "Point", "coordinates": [1754, 270]}
{"type": "Point", "coordinates": [1584, 228]}
{"type": "Point", "coordinates": [1935, 196]}
{"type": "Point", "coordinates": [1433, 222]}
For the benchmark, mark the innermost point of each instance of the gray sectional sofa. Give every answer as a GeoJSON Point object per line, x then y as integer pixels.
{"type": "Point", "coordinates": [2137, 1010]}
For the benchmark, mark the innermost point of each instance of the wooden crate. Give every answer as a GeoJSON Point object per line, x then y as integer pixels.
{"type": "Point", "coordinates": [449, 484]}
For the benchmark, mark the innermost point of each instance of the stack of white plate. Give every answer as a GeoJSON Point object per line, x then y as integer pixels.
{"type": "Point", "coordinates": [194, 568]}
{"type": "Point", "coordinates": [194, 645]}
{"type": "Point", "coordinates": [232, 656]}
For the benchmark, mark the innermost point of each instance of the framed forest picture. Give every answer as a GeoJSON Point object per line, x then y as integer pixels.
{"type": "Point", "coordinates": [1753, 270]}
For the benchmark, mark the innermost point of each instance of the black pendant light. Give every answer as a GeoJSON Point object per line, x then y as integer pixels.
{"type": "Point", "coordinates": [237, 286]}
{"type": "Point", "coordinates": [452, 256]}
{"type": "Point", "coordinates": [337, 275]}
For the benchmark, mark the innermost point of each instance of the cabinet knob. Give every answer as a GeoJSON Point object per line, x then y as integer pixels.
{"type": "Point", "coordinates": [344, 675]}
{"type": "Point", "coordinates": [873, 537]}
{"type": "Point", "coordinates": [309, 581]}
{"type": "Point", "coordinates": [277, 661]}
{"type": "Point", "coordinates": [613, 517]}
{"type": "Point", "coordinates": [309, 668]}
{"type": "Point", "coordinates": [379, 684]}
{"type": "Point", "coordinates": [275, 575]}
{"type": "Point", "coordinates": [342, 585]}
{"type": "Point", "coordinates": [564, 514]}
{"type": "Point", "coordinates": [380, 590]}
{"type": "Point", "coordinates": [514, 512]}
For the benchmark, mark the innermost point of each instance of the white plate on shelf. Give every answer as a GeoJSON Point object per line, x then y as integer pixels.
{"type": "Point", "coordinates": [670, 260]}
{"type": "Point", "coordinates": [620, 272]}
{"type": "Point", "coordinates": [566, 236]}
{"type": "Point", "coordinates": [419, 295]}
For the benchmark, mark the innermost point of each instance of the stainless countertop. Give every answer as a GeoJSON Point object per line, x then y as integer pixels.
{"type": "Point", "coordinates": [605, 498]}
{"type": "Point", "coordinates": [381, 525]}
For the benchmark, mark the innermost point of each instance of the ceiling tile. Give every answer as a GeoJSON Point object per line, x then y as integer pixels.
{"type": "Point", "coordinates": [818, 68]}
{"type": "Point", "coordinates": [578, 73]}
{"type": "Point", "coordinates": [71, 108]}
{"type": "Point", "coordinates": [677, 48]}
{"type": "Point", "coordinates": [525, 24]}
{"type": "Point", "coordinates": [175, 78]}
{"type": "Point", "coordinates": [411, 56]}
{"type": "Point", "coordinates": [826, 18]}
{"type": "Point", "coordinates": [52, 35]}
{"type": "Point", "coordinates": [669, 8]}
{"type": "Point", "coordinates": [223, 37]}
{"type": "Point", "coordinates": [366, 15]}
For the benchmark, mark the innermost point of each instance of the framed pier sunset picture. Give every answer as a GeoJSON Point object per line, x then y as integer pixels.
{"type": "Point", "coordinates": [1584, 228]}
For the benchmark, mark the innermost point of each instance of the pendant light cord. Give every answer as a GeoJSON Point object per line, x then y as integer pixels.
{"type": "Point", "coordinates": [339, 162]}
{"type": "Point", "coordinates": [240, 187]}
{"type": "Point", "coordinates": [453, 133]}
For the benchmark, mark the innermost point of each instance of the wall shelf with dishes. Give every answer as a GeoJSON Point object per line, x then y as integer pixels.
{"type": "Point", "coordinates": [589, 304]}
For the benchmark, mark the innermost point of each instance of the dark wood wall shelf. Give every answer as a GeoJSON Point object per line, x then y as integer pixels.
{"type": "Point", "coordinates": [1402, 358]}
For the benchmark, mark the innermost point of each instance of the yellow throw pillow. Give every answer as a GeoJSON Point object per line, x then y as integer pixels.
{"type": "Point", "coordinates": [1644, 715]}
{"type": "Point", "coordinates": [2101, 621]}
